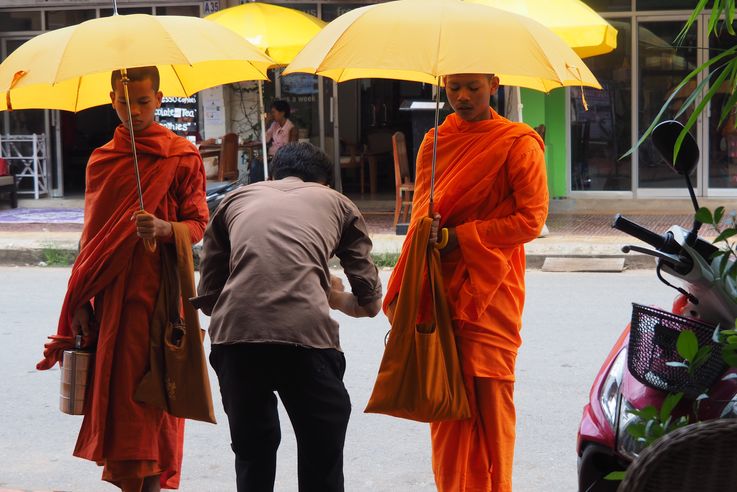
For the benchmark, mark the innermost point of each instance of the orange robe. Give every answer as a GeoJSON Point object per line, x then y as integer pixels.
{"type": "Point", "coordinates": [491, 187]}
{"type": "Point", "coordinates": [116, 272]}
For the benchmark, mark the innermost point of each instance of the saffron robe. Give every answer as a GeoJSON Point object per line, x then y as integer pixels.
{"type": "Point", "coordinates": [121, 278]}
{"type": "Point", "coordinates": [490, 186]}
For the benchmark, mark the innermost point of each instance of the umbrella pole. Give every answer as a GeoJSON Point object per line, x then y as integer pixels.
{"type": "Point", "coordinates": [435, 149]}
{"type": "Point", "coordinates": [262, 115]}
{"type": "Point", "coordinates": [125, 80]}
{"type": "Point", "coordinates": [150, 244]}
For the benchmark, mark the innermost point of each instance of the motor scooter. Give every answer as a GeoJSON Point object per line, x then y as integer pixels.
{"type": "Point", "coordinates": [639, 370]}
{"type": "Point", "coordinates": [216, 192]}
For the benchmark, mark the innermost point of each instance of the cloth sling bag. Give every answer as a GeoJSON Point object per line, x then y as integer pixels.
{"type": "Point", "coordinates": [177, 380]}
{"type": "Point", "coordinates": [420, 374]}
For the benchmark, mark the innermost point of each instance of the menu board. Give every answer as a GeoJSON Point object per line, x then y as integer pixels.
{"type": "Point", "coordinates": [179, 114]}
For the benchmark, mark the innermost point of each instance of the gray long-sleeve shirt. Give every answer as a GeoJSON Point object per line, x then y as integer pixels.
{"type": "Point", "coordinates": [264, 263]}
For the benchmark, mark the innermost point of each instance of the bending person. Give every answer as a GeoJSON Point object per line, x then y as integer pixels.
{"type": "Point", "coordinates": [266, 283]}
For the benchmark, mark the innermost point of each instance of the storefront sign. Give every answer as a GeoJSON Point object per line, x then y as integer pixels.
{"type": "Point", "coordinates": [210, 6]}
{"type": "Point", "coordinates": [179, 114]}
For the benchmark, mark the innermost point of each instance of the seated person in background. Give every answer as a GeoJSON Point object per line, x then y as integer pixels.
{"type": "Point", "coordinates": [281, 131]}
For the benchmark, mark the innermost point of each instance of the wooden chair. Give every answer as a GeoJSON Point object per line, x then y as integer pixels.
{"type": "Point", "coordinates": [228, 158]}
{"type": "Point", "coordinates": [697, 457]}
{"type": "Point", "coordinates": [405, 188]}
{"type": "Point", "coordinates": [352, 157]}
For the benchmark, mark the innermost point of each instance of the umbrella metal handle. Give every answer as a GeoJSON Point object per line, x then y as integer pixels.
{"type": "Point", "coordinates": [443, 239]}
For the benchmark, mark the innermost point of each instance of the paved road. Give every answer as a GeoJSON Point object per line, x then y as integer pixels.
{"type": "Point", "coordinates": [570, 323]}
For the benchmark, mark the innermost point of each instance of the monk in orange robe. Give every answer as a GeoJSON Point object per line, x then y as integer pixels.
{"type": "Point", "coordinates": [114, 285]}
{"type": "Point", "coordinates": [491, 194]}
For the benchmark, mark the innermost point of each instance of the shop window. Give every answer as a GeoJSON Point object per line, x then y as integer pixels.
{"type": "Point", "coordinates": [669, 5]}
{"type": "Point", "coordinates": [56, 19]}
{"type": "Point", "coordinates": [612, 5]}
{"type": "Point", "coordinates": [308, 8]}
{"type": "Point", "coordinates": [331, 11]}
{"type": "Point", "coordinates": [127, 11]}
{"type": "Point", "coordinates": [301, 92]}
{"type": "Point", "coordinates": [662, 67]}
{"type": "Point", "coordinates": [24, 20]}
{"type": "Point", "coordinates": [179, 114]}
{"type": "Point", "coordinates": [603, 134]}
{"type": "Point", "coordinates": [185, 10]}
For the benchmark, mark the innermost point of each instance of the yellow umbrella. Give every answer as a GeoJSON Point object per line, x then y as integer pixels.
{"type": "Point", "coordinates": [576, 23]}
{"type": "Point", "coordinates": [278, 31]}
{"type": "Point", "coordinates": [69, 68]}
{"type": "Point", "coordinates": [422, 40]}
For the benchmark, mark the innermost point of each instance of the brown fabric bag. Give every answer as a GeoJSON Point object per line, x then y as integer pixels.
{"type": "Point", "coordinates": [177, 380]}
{"type": "Point", "coordinates": [420, 374]}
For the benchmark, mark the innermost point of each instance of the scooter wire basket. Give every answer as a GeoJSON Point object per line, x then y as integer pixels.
{"type": "Point", "coordinates": [653, 337]}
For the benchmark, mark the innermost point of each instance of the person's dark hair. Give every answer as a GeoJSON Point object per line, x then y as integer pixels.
{"type": "Point", "coordinates": [137, 75]}
{"type": "Point", "coordinates": [303, 160]}
{"type": "Point", "coordinates": [282, 106]}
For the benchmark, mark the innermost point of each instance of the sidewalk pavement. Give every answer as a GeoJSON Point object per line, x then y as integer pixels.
{"type": "Point", "coordinates": [579, 229]}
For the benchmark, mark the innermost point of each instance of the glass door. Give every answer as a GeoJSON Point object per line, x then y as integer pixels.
{"type": "Point", "coordinates": [721, 139]}
{"type": "Point", "coordinates": [661, 67]}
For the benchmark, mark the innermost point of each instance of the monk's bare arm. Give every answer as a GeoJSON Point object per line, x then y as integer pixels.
{"type": "Point", "coordinates": [528, 179]}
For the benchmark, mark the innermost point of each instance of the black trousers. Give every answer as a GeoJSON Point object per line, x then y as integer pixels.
{"type": "Point", "coordinates": [310, 385]}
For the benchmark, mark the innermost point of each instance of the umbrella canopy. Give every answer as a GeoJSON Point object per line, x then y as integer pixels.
{"type": "Point", "coordinates": [421, 40]}
{"type": "Point", "coordinates": [279, 32]}
{"type": "Point", "coordinates": [575, 22]}
{"type": "Point", "coordinates": [69, 68]}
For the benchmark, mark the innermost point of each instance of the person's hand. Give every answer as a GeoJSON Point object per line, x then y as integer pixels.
{"type": "Point", "coordinates": [336, 284]}
{"type": "Point", "coordinates": [337, 289]}
{"type": "Point", "coordinates": [434, 230]}
{"type": "Point", "coordinates": [150, 227]}
{"type": "Point", "coordinates": [82, 321]}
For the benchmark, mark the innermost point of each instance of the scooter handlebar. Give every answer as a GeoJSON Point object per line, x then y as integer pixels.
{"type": "Point", "coordinates": [628, 227]}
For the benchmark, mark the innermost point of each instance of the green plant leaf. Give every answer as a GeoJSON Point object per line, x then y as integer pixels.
{"type": "Point", "coordinates": [691, 20]}
{"type": "Point", "coordinates": [647, 413]}
{"type": "Point", "coordinates": [718, 214]}
{"type": "Point", "coordinates": [687, 345]}
{"type": "Point", "coordinates": [616, 476]}
{"type": "Point", "coordinates": [725, 234]}
{"type": "Point", "coordinates": [636, 430]}
{"type": "Point", "coordinates": [704, 216]}
{"type": "Point", "coordinates": [669, 404]}
{"type": "Point", "coordinates": [729, 354]}
{"type": "Point", "coordinates": [693, 118]}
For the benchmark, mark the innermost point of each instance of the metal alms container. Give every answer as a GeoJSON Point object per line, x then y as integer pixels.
{"type": "Point", "coordinates": [74, 377]}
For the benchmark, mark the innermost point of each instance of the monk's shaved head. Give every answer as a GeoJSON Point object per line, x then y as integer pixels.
{"type": "Point", "coordinates": [469, 94]}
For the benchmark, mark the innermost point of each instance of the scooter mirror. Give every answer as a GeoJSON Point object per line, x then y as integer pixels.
{"type": "Point", "coordinates": [664, 138]}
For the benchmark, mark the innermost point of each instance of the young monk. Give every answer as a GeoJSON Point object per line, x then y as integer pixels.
{"type": "Point", "coordinates": [115, 282]}
{"type": "Point", "coordinates": [491, 194]}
